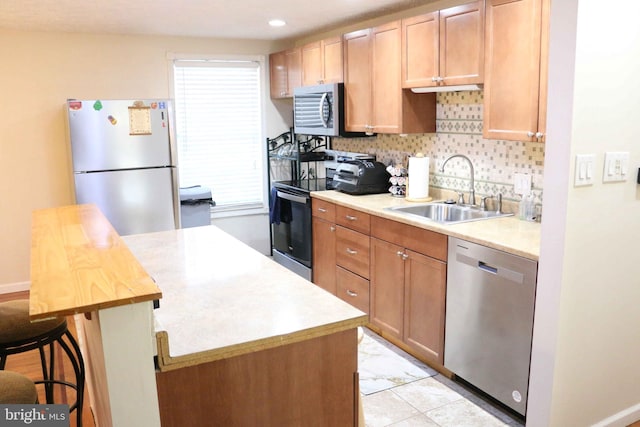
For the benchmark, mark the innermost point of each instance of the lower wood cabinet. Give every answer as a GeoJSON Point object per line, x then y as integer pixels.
{"type": "Point", "coordinates": [352, 251]}
{"type": "Point", "coordinates": [395, 272]}
{"type": "Point", "coordinates": [341, 252]}
{"type": "Point", "coordinates": [324, 254]}
{"type": "Point", "coordinates": [353, 289]}
{"type": "Point", "coordinates": [408, 289]}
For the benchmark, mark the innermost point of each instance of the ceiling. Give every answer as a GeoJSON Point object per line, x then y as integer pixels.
{"type": "Point", "coordinates": [245, 19]}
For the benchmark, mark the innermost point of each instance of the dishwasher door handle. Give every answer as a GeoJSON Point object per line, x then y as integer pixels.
{"type": "Point", "coordinates": [505, 273]}
{"type": "Point", "coordinates": [486, 267]}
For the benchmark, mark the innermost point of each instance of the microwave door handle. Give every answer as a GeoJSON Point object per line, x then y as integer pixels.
{"type": "Point", "coordinates": [323, 99]}
{"type": "Point", "coordinates": [291, 197]}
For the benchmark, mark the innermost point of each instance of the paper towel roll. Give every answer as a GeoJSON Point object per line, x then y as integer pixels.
{"type": "Point", "coordinates": [418, 187]}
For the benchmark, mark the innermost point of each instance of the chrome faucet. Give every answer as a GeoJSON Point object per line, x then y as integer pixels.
{"type": "Point", "coordinates": [472, 191]}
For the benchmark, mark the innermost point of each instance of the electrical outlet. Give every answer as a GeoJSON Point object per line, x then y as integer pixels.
{"type": "Point", "coordinates": [522, 183]}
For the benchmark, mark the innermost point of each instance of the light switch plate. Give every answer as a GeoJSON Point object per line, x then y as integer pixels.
{"type": "Point", "coordinates": [616, 166]}
{"type": "Point", "coordinates": [585, 168]}
{"type": "Point", "coordinates": [522, 183]}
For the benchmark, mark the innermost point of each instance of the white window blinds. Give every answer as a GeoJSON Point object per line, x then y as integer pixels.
{"type": "Point", "coordinates": [219, 130]}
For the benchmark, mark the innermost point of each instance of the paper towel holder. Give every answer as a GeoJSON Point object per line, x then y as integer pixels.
{"type": "Point", "coordinates": [426, 198]}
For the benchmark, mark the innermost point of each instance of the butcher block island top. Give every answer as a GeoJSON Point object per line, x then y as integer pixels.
{"type": "Point", "coordinates": [80, 264]}
{"type": "Point", "coordinates": [222, 299]}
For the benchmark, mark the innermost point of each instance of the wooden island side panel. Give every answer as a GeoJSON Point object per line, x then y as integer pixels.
{"type": "Point", "coordinates": [310, 383]}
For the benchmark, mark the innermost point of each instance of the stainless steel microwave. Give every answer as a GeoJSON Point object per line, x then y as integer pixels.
{"type": "Point", "coordinates": [319, 110]}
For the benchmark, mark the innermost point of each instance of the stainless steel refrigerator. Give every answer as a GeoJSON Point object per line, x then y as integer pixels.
{"type": "Point", "coordinates": [124, 162]}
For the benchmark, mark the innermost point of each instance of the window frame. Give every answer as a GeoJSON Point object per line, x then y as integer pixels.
{"type": "Point", "coordinates": [231, 211]}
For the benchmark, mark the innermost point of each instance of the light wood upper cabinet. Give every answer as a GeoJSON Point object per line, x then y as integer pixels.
{"type": "Point", "coordinates": [332, 59]}
{"type": "Point", "coordinates": [420, 50]}
{"type": "Point", "coordinates": [516, 42]}
{"type": "Point", "coordinates": [311, 64]}
{"type": "Point", "coordinates": [285, 73]}
{"type": "Point", "coordinates": [444, 48]}
{"type": "Point", "coordinates": [375, 101]}
{"type": "Point", "coordinates": [462, 44]}
{"type": "Point", "coordinates": [357, 80]}
{"type": "Point", "coordinates": [322, 62]}
{"type": "Point", "coordinates": [386, 90]}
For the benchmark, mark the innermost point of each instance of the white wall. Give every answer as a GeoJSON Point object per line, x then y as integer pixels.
{"type": "Point", "coordinates": [585, 366]}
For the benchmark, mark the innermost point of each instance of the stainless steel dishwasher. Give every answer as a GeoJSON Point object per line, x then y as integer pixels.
{"type": "Point", "coordinates": [489, 320]}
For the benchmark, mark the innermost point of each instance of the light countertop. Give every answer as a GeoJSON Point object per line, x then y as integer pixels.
{"type": "Point", "coordinates": [508, 234]}
{"type": "Point", "coordinates": [80, 264]}
{"type": "Point", "coordinates": [222, 299]}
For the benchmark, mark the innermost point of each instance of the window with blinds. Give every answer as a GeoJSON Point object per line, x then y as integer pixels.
{"type": "Point", "coordinates": [218, 112]}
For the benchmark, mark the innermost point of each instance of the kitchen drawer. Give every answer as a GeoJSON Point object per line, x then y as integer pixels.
{"type": "Point", "coordinates": [352, 251]}
{"type": "Point", "coordinates": [417, 239]}
{"type": "Point", "coordinates": [353, 289]}
{"type": "Point", "coordinates": [323, 209]}
{"type": "Point", "coordinates": [353, 219]}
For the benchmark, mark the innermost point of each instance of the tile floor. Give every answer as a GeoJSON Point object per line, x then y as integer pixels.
{"type": "Point", "coordinates": [433, 401]}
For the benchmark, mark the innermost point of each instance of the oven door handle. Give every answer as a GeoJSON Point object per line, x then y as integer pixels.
{"type": "Point", "coordinates": [292, 197]}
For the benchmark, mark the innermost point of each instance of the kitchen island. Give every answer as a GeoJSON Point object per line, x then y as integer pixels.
{"type": "Point", "coordinates": [238, 339]}
{"type": "Point", "coordinates": [244, 341]}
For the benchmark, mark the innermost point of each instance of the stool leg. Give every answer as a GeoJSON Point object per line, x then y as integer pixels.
{"type": "Point", "coordinates": [3, 361]}
{"type": "Point", "coordinates": [78, 369]}
{"type": "Point", "coordinates": [47, 372]}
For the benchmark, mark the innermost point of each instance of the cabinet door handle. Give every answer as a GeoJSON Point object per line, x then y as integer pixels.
{"type": "Point", "coordinates": [351, 293]}
{"type": "Point", "coordinates": [351, 251]}
{"type": "Point", "coordinates": [402, 255]}
{"type": "Point", "coordinates": [351, 218]}
{"type": "Point", "coordinates": [323, 210]}
{"type": "Point", "coordinates": [530, 134]}
{"type": "Point", "coordinates": [539, 135]}
{"type": "Point", "coordinates": [332, 228]}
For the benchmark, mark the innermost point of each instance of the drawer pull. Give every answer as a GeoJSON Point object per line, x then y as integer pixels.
{"type": "Point", "coordinates": [351, 251]}
{"type": "Point", "coordinates": [351, 218]}
{"type": "Point", "coordinates": [323, 210]}
{"type": "Point", "coordinates": [351, 293]}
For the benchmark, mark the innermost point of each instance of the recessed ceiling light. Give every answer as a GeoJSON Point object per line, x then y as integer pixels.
{"type": "Point", "coordinates": [277, 23]}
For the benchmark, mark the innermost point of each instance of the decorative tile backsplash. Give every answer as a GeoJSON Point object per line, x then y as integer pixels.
{"type": "Point", "coordinates": [459, 131]}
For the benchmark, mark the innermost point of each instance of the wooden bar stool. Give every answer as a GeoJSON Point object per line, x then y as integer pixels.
{"type": "Point", "coordinates": [18, 334]}
{"type": "Point", "coordinates": [15, 388]}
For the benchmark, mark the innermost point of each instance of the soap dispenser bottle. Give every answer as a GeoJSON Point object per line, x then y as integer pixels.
{"type": "Point", "coordinates": [527, 208]}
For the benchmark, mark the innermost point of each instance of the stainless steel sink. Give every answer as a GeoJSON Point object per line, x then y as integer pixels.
{"type": "Point", "coordinates": [445, 213]}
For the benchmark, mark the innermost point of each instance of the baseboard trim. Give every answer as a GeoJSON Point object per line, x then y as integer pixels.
{"type": "Point", "coordinates": [621, 419]}
{"type": "Point", "coordinates": [8, 288]}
